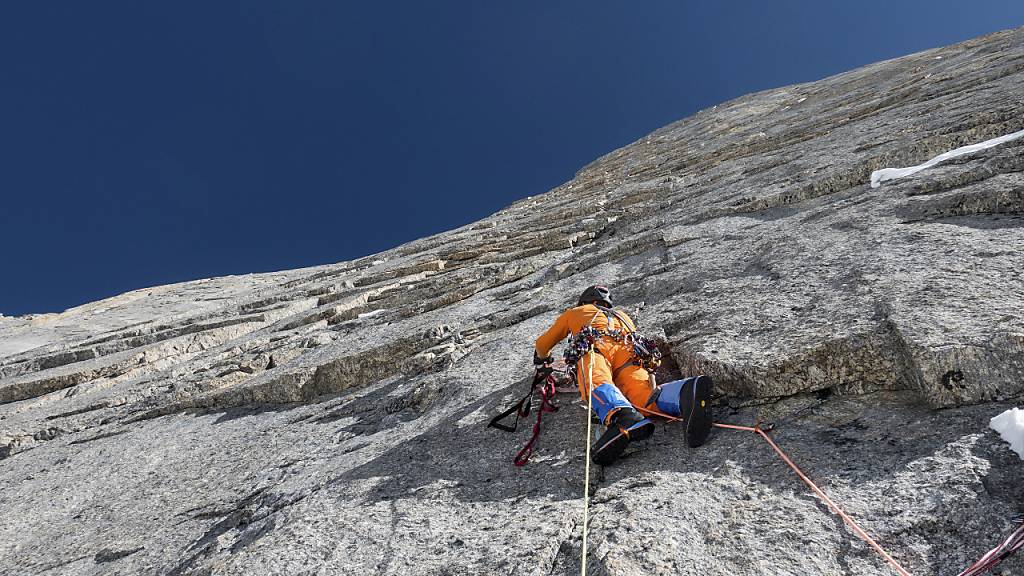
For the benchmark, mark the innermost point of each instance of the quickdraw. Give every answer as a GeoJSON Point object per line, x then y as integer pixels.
{"type": "Point", "coordinates": [580, 344]}
{"type": "Point", "coordinates": [647, 354]}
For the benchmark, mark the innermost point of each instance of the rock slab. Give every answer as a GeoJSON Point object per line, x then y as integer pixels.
{"type": "Point", "coordinates": [330, 420]}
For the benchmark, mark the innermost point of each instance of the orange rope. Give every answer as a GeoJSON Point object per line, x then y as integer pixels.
{"type": "Point", "coordinates": [821, 494]}
{"type": "Point", "coordinates": [835, 507]}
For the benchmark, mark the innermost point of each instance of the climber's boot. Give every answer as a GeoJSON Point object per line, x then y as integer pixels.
{"type": "Point", "coordinates": [690, 400]}
{"type": "Point", "coordinates": [622, 424]}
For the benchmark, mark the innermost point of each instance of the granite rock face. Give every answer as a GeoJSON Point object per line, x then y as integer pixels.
{"type": "Point", "coordinates": [331, 420]}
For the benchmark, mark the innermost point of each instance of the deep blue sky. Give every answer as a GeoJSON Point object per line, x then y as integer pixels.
{"type": "Point", "coordinates": [144, 143]}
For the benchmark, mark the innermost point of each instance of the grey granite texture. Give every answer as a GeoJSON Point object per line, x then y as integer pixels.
{"type": "Point", "coordinates": [331, 420]}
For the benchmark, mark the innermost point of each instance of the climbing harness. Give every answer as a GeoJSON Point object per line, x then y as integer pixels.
{"type": "Point", "coordinates": [645, 350]}
{"type": "Point", "coordinates": [647, 355]}
{"type": "Point", "coordinates": [544, 382]}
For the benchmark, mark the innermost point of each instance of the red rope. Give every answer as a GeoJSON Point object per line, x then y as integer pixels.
{"type": "Point", "coordinates": [1011, 544]}
{"type": "Point", "coordinates": [1014, 542]}
{"type": "Point", "coordinates": [821, 494]}
{"type": "Point", "coordinates": [824, 497]}
{"type": "Point", "coordinates": [547, 392]}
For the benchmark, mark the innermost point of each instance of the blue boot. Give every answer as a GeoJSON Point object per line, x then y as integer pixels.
{"type": "Point", "coordinates": [689, 399]}
{"type": "Point", "coordinates": [623, 424]}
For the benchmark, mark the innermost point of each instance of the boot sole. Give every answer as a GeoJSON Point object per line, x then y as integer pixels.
{"type": "Point", "coordinates": [696, 407]}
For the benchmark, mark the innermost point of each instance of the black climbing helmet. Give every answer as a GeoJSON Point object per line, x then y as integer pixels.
{"type": "Point", "coordinates": [599, 294]}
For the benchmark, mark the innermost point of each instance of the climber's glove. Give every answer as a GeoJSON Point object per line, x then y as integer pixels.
{"type": "Point", "coordinates": [539, 361]}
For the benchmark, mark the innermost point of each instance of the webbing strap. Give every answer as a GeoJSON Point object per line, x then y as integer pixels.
{"type": "Point", "coordinates": [547, 392]}
{"type": "Point", "coordinates": [617, 371]}
{"type": "Point", "coordinates": [522, 407]}
{"type": "Point", "coordinates": [626, 325]}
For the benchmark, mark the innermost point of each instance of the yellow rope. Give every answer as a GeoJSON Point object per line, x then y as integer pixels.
{"type": "Point", "coordinates": [586, 471]}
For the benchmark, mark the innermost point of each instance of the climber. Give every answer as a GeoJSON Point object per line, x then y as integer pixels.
{"type": "Point", "coordinates": [621, 387]}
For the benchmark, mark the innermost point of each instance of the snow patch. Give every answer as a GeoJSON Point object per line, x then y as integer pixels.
{"type": "Point", "coordinates": [372, 313]}
{"type": "Point", "coordinates": [879, 176]}
{"type": "Point", "coordinates": [1010, 426]}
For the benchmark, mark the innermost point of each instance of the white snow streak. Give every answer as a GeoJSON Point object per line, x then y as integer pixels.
{"type": "Point", "coordinates": [1010, 425]}
{"type": "Point", "coordinates": [879, 176]}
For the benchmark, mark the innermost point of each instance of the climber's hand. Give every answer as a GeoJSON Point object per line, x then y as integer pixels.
{"type": "Point", "coordinates": [539, 361]}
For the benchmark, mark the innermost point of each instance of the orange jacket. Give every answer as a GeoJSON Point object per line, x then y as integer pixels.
{"type": "Point", "coordinates": [575, 319]}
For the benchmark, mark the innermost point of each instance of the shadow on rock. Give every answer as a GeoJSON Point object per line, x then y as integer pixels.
{"type": "Point", "coordinates": [934, 486]}
{"type": "Point", "coordinates": [476, 461]}
{"type": "Point", "coordinates": [849, 441]}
